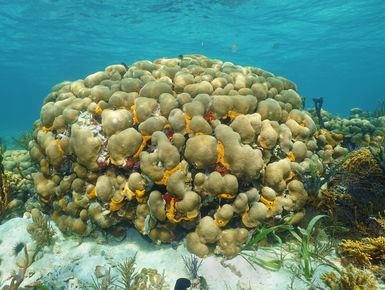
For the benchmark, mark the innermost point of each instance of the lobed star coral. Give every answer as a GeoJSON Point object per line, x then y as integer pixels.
{"type": "Point", "coordinates": [198, 135]}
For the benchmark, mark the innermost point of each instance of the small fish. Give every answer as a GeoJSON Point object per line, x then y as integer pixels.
{"type": "Point", "coordinates": [234, 48]}
{"type": "Point", "coordinates": [36, 284]}
{"type": "Point", "coordinates": [275, 45]}
{"type": "Point", "coordinates": [182, 284]}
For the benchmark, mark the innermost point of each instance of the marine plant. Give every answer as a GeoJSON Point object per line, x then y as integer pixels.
{"type": "Point", "coordinates": [239, 286]}
{"type": "Point", "coordinates": [106, 282]}
{"type": "Point", "coordinates": [308, 249]}
{"type": "Point", "coordinates": [313, 181]}
{"type": "Point", "coordinates": [18, 278]}
{"type": "Point", "coordinates": [358, 189]}
{"type": "Point", "coordinates": [24, 140]}
{"type": "Point", "coordinates": [192, 264]}
{"type": "Point", "coordinates": [21, 173]}
{"type": "Point", "coordinates": [40, 229]}
{"type": "Point", "coordinates": [378, 153]}
{"type": "Point", "coordinates": [129, 278]}
{"type": "Point", "coordinates": [318, 105]}
{"type": "Point", "coordinates": [349, 278]}
{"type": "Point", "coordinates": [127, 272]}
{"type": "Point", "coordinates": [249, 253]}
{"type": "Point", "coordinates": [379, 111]}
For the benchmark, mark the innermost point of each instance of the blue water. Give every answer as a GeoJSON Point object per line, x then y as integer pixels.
{"type": "Point", "coordinates": [334, 49]}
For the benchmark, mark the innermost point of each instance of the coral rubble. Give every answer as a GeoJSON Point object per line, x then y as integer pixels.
{"type": "Point", "coordinates": [174, 145]}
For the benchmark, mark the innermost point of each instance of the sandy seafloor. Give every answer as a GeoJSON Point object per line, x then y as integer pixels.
{"type": "Point", "coordinates": [66, 262]}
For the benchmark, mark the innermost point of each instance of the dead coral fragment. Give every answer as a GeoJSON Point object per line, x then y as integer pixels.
{"type": "Point", "coordinates": [351, 278]}
{"type": "Point", "coordinates": [149, 279]}
{"type": "Point", "coordinates": [130, 279]}
{"type": "Point", "coordinates": [365, 253]}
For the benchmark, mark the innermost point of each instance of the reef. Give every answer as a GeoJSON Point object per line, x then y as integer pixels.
{"type": "Point", "coordinates": [5, 196]}
{"type": "Point", "coordinates": [359, 129]}
{"type": "Point", "coordinates": [178, 146]}
{"type": "Point", "coordinates": [17, 171]}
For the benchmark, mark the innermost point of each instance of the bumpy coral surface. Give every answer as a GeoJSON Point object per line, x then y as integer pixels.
{"type": "Point", "coordinates": [16, 162]}
{"type": "Point", "coordinates": [185, 143]}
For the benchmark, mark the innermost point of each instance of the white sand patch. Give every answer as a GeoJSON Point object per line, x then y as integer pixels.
{"type": "Point", "coordinates": [66, 259]}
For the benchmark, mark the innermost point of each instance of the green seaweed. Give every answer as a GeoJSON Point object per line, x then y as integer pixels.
{"type": "Point", "coordinates": [263, 232]}
{"type": "Point", "coordinates": [42, 287]}
{"type": "Point", "coordinates": [252, 257]}
{"type": "Point", "coordinates": [309, 249]}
